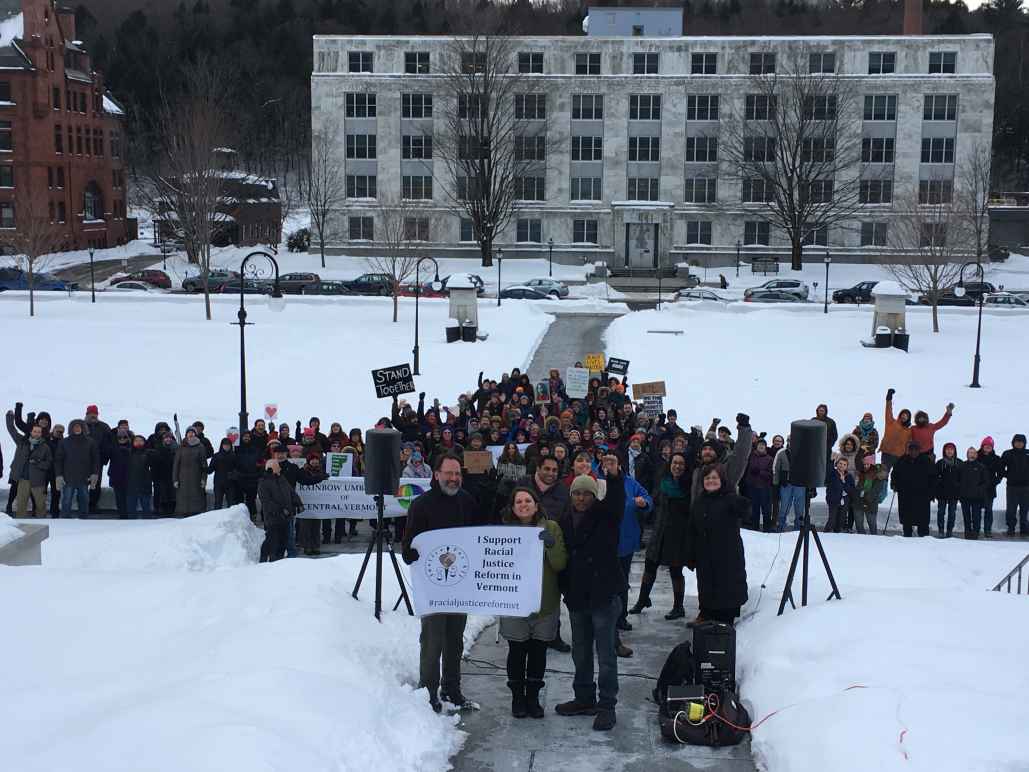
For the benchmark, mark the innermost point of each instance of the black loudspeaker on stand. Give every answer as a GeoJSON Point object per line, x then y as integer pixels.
{"type": "Point", "coordinates": [381, 478]}
{"type": "Point", "coordinates": [808, 456]}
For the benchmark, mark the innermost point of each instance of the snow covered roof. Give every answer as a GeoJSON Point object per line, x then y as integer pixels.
{"type": "Point", "coordinates": [889, 288]}
{"type": "Point", "coordinates": [112, 107]}
{"type": "Point", "coordinates": [460, 281]}
{"type": "Point", "coordinates": [12, 27]}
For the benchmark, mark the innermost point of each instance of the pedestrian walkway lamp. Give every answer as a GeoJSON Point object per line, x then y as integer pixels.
{"type": "Point", "coordinates": [959, 291]}
{"type": "Point", "coordinates": [500, 260]}
{"type": "Point", "coordinates": [92, 278]}
{"type": "Point", "coordinates": [437, 285]}
{"type": "Point", "coordinates": [738, 247]}
{"type": "Point", "coordinates": [550, 267]}
{"type": "Point", "coordinates": [828, 260]}
{"type": "Point", "coordinates": [276, 302]}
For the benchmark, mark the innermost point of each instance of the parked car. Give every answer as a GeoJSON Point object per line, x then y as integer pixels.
{"type": "Point", "coordinates": [215, 279]}
{"type": "Point", "coordinates": [297, 283]}
{"type": "Point", "coordinates": [480, 285]}
{"type": "Point", "coordinates": [948, 298]}
{"type": "Point", "coordinates": [998, 253]}
{"type": "Point", "coordinates": [974, 289]}
{"type": "Point", "coordinates": [697, 295]}
{"type": "Point", "coordinates": [1023, 295]}
{"type": "Point", "coordinates": [371, 284]}
{"type": "Point", "coordinates": [250, 287]}
{"type": "Point", "coordinates": [692, 280]}
{"type": "Point", "coordinates": [149, 276]}
{"type": "Point", "coordinates": [552, 287]}
{"type": "Point", "coordinates": [426, 291]}
{"type": "Point", "coordinates": [521, 292]}
{"type": "Point", "coordinates": [859, 293]}
{"type": "Point", "coordinates": [1005, 300]}
{"type": "Point", "coordinates": [327, 288]}
{"type": "Point", "coordinates": [789, 286]}
{"type": "Point", "coordinates": [134, 286]}
{"type": "Point", "coordinates": [773, 296]}
{"type": "Point", "coordinates": [17, 279]}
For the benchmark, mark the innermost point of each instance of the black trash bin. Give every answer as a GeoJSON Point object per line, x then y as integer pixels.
{"type": "Point", "coordinates": [453, 334]}
{"type": "Point", "coordinates": [882, 340]}
{"type": "Point", "coordinates": [468, 334]}
{"type": "Point", "coordinates": [901, 340]}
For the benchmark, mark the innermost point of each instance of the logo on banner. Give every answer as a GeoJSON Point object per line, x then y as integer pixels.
{"type": "Point", "coordinates": [407, 493]}
{"type": "Point", "coordinates": [446, 565]}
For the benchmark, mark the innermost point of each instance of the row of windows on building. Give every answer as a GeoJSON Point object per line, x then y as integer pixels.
{"type": "Point", "coordinates": [641, 62]}
{"type": "Point", "coordinates": [86, 140]}
{"type": "Point", "coordinates": [647, 107]}
{"type": "Point", "coordinates": [58, 211]}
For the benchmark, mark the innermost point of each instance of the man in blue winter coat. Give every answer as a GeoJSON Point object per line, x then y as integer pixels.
{"type": "Point", "coordinates": [637, 502]}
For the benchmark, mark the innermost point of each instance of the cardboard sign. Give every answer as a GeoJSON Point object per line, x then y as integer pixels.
{"type": "Point", "coordinates": [650, 389]}
{"type": "Point", "coordinates": [391, 381]}
{"type": "Point", "coordinates": [339, 464]}
{"type": "Point", "coordinates": [577, 382]}
{"type": "Point", "coordinates": [271, 410]}
{"type": "Point", "coordinates": [617, 366]}
{"type": "Point", "coordinates": [594, 362]}
{"type": "Point", "coordinates": [653, 405]}
{"type": "Point", "coordinates": [478, 461]}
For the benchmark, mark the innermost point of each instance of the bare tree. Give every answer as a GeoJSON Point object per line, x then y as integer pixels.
{"type": "Point", "coordinates": [494, 136]}
{"type": "Point", "coordinates": [794, 143]}
{"type": "Point", "coordinates": [399, 224]}
{"type": "Point", "coordinates": [185, 188]}
{"type": "Point", "coordinates": [973, 197]}
{"type": "Point", "coordinates": [326, 184]}
{"type": "Point", "coordinates": [933, 240]}
{"type": "Point", "coordinates": [33, 240]}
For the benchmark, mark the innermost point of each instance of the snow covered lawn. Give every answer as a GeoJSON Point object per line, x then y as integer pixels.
{"type": "Point", "coordinates": [8, 531]}
{"type": "Point", "coordinates": [177, 653]}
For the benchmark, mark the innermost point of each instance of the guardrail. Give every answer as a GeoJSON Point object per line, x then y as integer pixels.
{"type": "Point", "coordinates": [1013, 575]}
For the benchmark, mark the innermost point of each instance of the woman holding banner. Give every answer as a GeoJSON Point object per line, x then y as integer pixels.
{"type": "Point", "coordinates": [527, 637]}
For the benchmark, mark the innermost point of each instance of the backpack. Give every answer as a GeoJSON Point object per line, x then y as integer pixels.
{"type": "Point", "coordinates": [677, 671]}
{"type": "Point", "coordinates": [715, 730]}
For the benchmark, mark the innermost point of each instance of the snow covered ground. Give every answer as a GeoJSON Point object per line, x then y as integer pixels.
{"type": "Point", "coordinates": [8, 531]}
{"type": "Point", "coordinates": [188, 656]}
{"type": "Point", "coordinates": [917, 668]}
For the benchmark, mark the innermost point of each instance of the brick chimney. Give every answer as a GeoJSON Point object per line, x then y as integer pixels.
{"type": "Point", "coordinates": [35, 14]}
{"type": "Point", "coordinates": [913, 17]}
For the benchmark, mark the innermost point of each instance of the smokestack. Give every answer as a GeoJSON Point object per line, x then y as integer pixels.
{"type": "Point", "coordinates": [913, 17]}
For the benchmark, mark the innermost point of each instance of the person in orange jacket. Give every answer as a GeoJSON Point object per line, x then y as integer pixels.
{"type": "Point", "coordinates": [896, 433]}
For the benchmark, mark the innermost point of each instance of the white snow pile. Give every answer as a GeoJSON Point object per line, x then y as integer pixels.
{"type": "Point", "coordinates": [224, 538]}
{"type": "Point", "coordinates": [8, 531]}
{"type": "Point", "coordinates": [917, 668]}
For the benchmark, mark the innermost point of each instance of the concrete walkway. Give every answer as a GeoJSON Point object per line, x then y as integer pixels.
{"type": "Point", "coordinates": [105, 269]}
{"type": "Point", "coordinates": [570, 338]}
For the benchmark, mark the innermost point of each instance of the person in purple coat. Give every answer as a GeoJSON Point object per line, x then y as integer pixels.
{"type": "Point", "coordinates": [759, 485]}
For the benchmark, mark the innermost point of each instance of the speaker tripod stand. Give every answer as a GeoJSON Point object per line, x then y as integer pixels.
{"type": "Point", "coordinates": [803, 539]}
{"type": "Point", "coordinates": [382, 535]}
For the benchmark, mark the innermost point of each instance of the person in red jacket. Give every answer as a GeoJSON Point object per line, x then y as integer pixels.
{"type": "Point", "coordinates": [923, 433]}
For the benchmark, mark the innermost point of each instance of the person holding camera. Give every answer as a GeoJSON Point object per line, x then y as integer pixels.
{"type": "Point", "coordinates": [279, 505]}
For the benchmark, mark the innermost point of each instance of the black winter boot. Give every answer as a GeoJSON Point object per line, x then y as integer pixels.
{"type": "Point", "coordinates": [643, 599]}
{"type": "Point", "coordinates": [519, 709]}
{"type": "Point", "coordinates": [532, 697]}
{"type": "Point", "coordinates": [678, 594]}
{"type": "Point", "coordinates": [535, 668]}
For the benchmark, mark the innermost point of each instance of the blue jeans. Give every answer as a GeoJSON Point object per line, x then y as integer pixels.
{"type": "Point", "coordinates": [596, 627]}
{"type": "Point", "coordinates": [760, 506]}
{"type": "Point", "coordinates": [946, 514]}
{"type": "Point", "coordinates": [139, 503]}
{"type": "Point", "coordinates": [791, 496]}
{"type": "Point", "coordinates": [291, 538]}
{"type": "Point", "coordinates": [80, 494]}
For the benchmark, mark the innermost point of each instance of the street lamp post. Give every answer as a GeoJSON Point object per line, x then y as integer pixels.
{"type": "Point", "coordinates": [275, 302]}
{"type": "Point", "coordinates": [436, 284]}
{"type": "Point", "coordinates": [500, 260]}
{"type": "Point", "coordinates": [828, 260]}
{"type": "Point", "coordinates": [550, 265]}
{"type": "Point", "coordinates": [739, 245]}
{"type": "Point", "coordinates": [92, 278]}
{"type": "Point", "coordinates": [960, 292]}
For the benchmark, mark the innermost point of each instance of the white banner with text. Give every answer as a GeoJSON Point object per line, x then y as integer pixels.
{"type": "Point", "coordinates": [345, 497]}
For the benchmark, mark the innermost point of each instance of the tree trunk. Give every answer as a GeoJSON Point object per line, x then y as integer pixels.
{"type": "Point", "coordinates": [796, 255]}
{"type": "Point", "coordinates": [936, 314]}
{"type": "Point", "coordinates": [32, 296]}
{"type": "Point", "coordinates": [486, 248]}
{"type": "Point", "coordinates": [206, 268]}
{"type": "Point", "coordinates": [321, 247]}
{"type": "Point", "coordinates": [396, 303]}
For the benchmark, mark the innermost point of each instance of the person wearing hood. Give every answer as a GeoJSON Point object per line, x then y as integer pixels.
{"type": "Point", "coordinates": [208, 447]}
{"type": "Point", "coordinates": [139, 479]}
{"type": "Point", "coordinates": [100, 433]}
{"type": "Point", "coordinates": [161, 468]}
{"type": "Point", "coordinates": [248, 472]}
{"type": "Point", "coordinates": [871, 492]}
{"type": "Point", "coordinates": [974, 484]}
{"type": "Point", "coordinates": [832, 434]}
{"type": "Point", "coordinates": [118, 472]}
{"type": "Point", "coordinates": [279, 505]}
{"type": "Point", "coordinates": [189, 475]}
{"type": "Point", "coordinates": [43, 420]}
{"type": "Point", "coordinates": [840, 491]}
{"type": "Point", "coordinates": [849, 449]}
{"type": "Point", "coordinates": [947, 490]}
{"type": "Point", "coordinates": [416, 466]}
{"type": "Point", "coordinates": [867, 435]}
{"type": "Point", "coordinates": [897, 433]}
{"type": "Point", "coordinates": [1016, 472]}
{"type": "Point", "coordinates": [995, 466]}
{"type": "Point", "coordinates": [223, 466]}
{"type": "Point", "coordinates": [78, 468]}
{"type": "Point", "coordinates": [759, 485]}
{"type": "Point", "coordinates": [153, 442]}
{"type": "Point", "coordinates": [259, 436]}
{"type": "Point", "coordinates": [913, 480]}
{"type": "Point", "coordinates": [30, 468]}
{"type": "Point", "coordinates": [924, 433]}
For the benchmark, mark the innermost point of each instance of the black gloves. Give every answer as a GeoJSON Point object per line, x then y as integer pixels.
{"type": "Point", "coordinates": [421, 395]}
{"type": "Point", "coordinates": [742, 419]}
{"type": "Point", "coordinates": [298, 427]}
{"type": "Point", "coordinates": [889, 394]}
{"type": "Point", "coordinates": [410, 555]}
{"type": "Point", "coordinates": [762, 435]}
{"type": "Point", "coordinates": [547, 538]}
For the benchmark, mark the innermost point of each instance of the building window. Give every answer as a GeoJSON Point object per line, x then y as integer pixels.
{"type": "Point", "coordinates": [56, 98]}
{"type": "Point", "coordinates": [643, 189]}
{"type": "Point", "coordinates": [817, 150]}
{"type": "Point", "coordinates": [882, 62]}
{"type": "Point", "coordinates": [416, 62]}
{"type": "Point", "coordinates": [359, 61]}
{"type": "Point", "coordinates": [645, 107]}
{"type": "Point", "coordinates": [82, 102]}
{"type": "Point", "coordinates": [328, 61]}
{"type": "Point", "coordinates": [817, 192]}
{"type": "Point", "coordinates": [942, 62]}
{"type": "Point", "coordinates": [469, 105]}
{"type": "Point", "coordinates": [756, 190]}
{"type": "Point", "coordinates": [937, 150]}
{"type": "Point", "coordinates": [50, 177]}
{"type": "Point", "coordinates": [587, 64]}
{"type": "Point", "coordinates": [117, 179]}
{"type": "Point", "coordinates": [584, 232]}
{"type": "Point", "coordinates": [587, 148]}
{"type": "Point", "coordinates": [530, 61]}
{"type": "Point", "coordinates": [756, 232]}
{"type": "Point", "coordinates": [60, 178]}
{"type": "Point", "coordinates": [416, 146]}
{"type": "Point", "coordinates": [92, 202]}
{"type": "Point", "coordinates": [362, 228]}
{"type": "Point", "coordinates": [6, 214]}
{"type": "Point", "coordinates": [815, 236]}
{"type": "Point", "coordinates": [98, 143]}
{"type": "Point", "coordinates": [879, 150]}
{"type": "Point", "coordinates": [360, 146]}
{"type": "Point", "coordinates": [467, 188]}
{"type": "Point", "coordinates": [759, 107]}
{"type": "Point", "coordinates": [115, 144]}
{"type": "Point", "coordinates": [698, 231]}
{"type": "Point", "coordinates": [53, 214]}
{"type": "Point", "coordinates": [700, 190]}
{"type": "Point", "coordinates": [6, 136]}
{"type": "Point", "coordinates": [637, 30]}
{"type": "Point", "coordinates": [467, 229]}
{"type": "Point", "coordinates": [78, 140]}
{"type": "Point", "coordinates": [585, 189]}
{"type": "Point", "coordinates": [644, 64]}
{"type": "Point", "coordinates": [645, 149]}
{"type": "Point", "coordinates": [529, 230]}
{"type": "Point", "coordinates": [702, 149]}
{"type": "Point", "coordinates": [7, 176]}
{"type": "Point", "coordinates": [416, 105]}
{"type": "Point", "coordinates": [704, 64]}
{"type": "Point", "coordinates": [62, 212]}
{"type": "Point", "coordinates": [416, 229]}
{"type": "Point", "coordinates": [823, 63]}
{"type": "Point", "coordinates": [762, 63]}
{"type": "Point", "coordinates": [360, 105]}
{"type": "Point", "coordinates": [588, 107]}
{"type": "Point", "coordinates": [934, 234]}
{"type": "Point", "coordinates": [759, 149]}
{"type": "Point", "coordinates": [702, 107]}
{"type": "Point", "coordinates": [531, 107]}
{"type": "Point", "coordinates": [881, 107]}
{"type": "Point", "coordinates": [473, 62]}
{"type": "Point", "coordinates": [820, 108]}
{"type": "Point", "coordinates": [873, 234]}
{"type": "Point", "coordinates": [940, 107]}
{"type": "Point", "coordinates": [361, 186]}
{"type": "Point", "coordinates": [935, 191]}
{"type": "Point", "coordinates": [417, 187]}
{"type": "Point", "coordinates": [530, 148]}
{"type": "Point", "coordinates": [875, 191]}
{"type": "Point", "coordinates": [530, 188]}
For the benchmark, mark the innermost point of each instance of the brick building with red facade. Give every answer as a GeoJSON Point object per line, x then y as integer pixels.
{"type": "Point", "coordinates": [62, 136]}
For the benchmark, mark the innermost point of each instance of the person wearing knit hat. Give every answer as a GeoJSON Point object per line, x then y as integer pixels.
{"type": "Point", "coordinates": [1016, 470]}
{"type": "Point", "coordinates": [100, 433]}
{"type": "Point", "coordinates": [995, 466]}
{"type": "Point", "coordinates": [867, 434]}
{"type": "Point", "coordinates": [947, 490]}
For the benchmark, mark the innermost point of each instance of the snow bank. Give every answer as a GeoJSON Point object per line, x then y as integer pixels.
{"type": "Point", "coordinates": [224, 538]}
{"type": "Point", "coordinates": [8, 531]}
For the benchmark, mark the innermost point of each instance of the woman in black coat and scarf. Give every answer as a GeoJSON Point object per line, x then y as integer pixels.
{"type": "Point", "coordinates": [714, 548]}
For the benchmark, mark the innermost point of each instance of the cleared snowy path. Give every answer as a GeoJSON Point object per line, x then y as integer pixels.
{"type": "Point", "coordinates": [570, 338]}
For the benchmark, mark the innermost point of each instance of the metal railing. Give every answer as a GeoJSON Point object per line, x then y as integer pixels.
{"type": "Point", "coordinates": [1014, 575]}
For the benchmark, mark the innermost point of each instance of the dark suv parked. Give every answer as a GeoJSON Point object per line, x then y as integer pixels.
{"type": "Point", "coordinates": [859, 293]}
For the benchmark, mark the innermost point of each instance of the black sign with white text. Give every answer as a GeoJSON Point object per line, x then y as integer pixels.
{"type": "Point", "coordinates": [617, 366]}
{"type": "Point", "coordinates": [393, 381]}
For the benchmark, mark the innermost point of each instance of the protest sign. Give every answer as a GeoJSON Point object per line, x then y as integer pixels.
{"type": "Point", "coordinates": [478, 461]}
{"type": "Point", "coordinates": [650, 389]}
{"type": "Point", "coordinates": [617, 366]}
{"type": "Point", "coordinates": [271, 411]}
{"type": "Point", "coordinates": [653, 405]}
{"type": "Point", "coordinates": [594, 362]}
{"type": "Point", "coordinates": [345, 497]}
{"type": "Point", "coordinates": [577, 382]}
{"type": "Point", "coordinates": [393, 381]}
{"type": "Point", "coordinates": [232, 435]}
{"type": "Point", "coordinates": [339, 464]}
{"type": "Point", "coordinates": [484, 571]}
